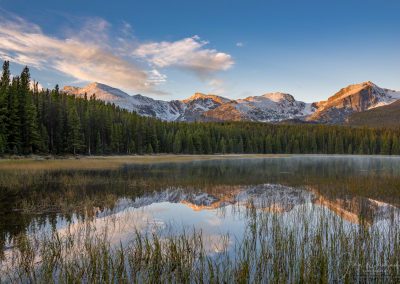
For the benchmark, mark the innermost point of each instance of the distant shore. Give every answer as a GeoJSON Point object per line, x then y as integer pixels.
{"type": "Point", "coordinates": [34, 162]}
{"type": "Point", "coordinates": [96, 162]}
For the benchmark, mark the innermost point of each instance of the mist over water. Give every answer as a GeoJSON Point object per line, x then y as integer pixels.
{"type": "Point", "coordinates": [221, 199]}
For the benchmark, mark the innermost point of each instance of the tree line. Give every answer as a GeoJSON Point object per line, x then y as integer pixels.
{"type": "Point", "coordinates": [52, 122]}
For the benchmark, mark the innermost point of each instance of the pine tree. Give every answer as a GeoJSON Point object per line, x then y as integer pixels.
{"type": "Point", "coordinates": [51, 121]}
{"type": "Point", "coordinates": [4, 88]}
{"type": "Point", "coordinates": [149, 149]}
{"type": "Point", "coordinates": [14, 121]}
{"type": "Point", "coordinates": [395, 145]}
{"type": "Point", "coordinates": [339, 147]}
{"type": "Point", "coordinates": [177, 146]}
{"type": "Point", "coordinates": [386, 145]}
{"type": "Point", "coordinates": [30, 139]}
{"type": "Point", "coordinates": [222, 146]}
{"type": "Point", "coordinates": [75, 140]}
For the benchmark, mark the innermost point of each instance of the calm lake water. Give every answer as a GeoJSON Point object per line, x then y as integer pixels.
{"type": "Point", "coordinates": [218, 198]}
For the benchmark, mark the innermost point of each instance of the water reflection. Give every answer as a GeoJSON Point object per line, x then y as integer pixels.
{"type": "Point", "coordinates": [211, 196]}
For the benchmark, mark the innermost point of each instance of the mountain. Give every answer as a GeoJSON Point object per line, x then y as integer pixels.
{"type": "Point", "coordinates": [274, 198]}
{"type": "Point", "coordinates": [270, 107]}
{"type": "Point", "coordinates": [140, 104]}
{"type": "Point", "coordinates": [352, 99]}
{"type": "Point", "coordinates": [388, 115]}
{"type": "Point", "coordinates": [198, 104]}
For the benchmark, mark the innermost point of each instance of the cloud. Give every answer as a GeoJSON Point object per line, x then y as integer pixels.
{"type": "Point", "coordinates": [239, 44]}
{"type": "Point", "coordinates": [87, 59]}
{"type": "Point", "coordinates": [188, 53]}
{"type": "Point", "coordinates": [156, 78]}
{"type": "Point", "coordinates": [91, 51]}
{"type": "Point", "coordinates": [33, 83]}
{"type": "Point", "coordinates": [217, 86]}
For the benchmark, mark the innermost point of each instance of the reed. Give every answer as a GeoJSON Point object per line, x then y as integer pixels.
{"type": "Point", "coordinates": [310, 246]}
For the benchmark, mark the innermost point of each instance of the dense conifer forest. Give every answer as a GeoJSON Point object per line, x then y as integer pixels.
{"type": "Point", "coordinates": [34, 121]}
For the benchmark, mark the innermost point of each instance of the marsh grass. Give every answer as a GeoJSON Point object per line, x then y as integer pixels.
{"type": "Point", "coordinates": [112, 162]}
{"type": "Point", "coordinates": [310, 246]}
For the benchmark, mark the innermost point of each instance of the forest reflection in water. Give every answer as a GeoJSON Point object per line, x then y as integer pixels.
{"type": "Point", "coordinates": [216, 198]}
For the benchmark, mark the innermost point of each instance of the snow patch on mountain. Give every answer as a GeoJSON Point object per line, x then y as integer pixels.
{"type": "Point", "coordinates": [270, 107]}
{"type": "Point", "coordinates": [140, 104]}
{"type": "Point", "coordinates": [273, 107]}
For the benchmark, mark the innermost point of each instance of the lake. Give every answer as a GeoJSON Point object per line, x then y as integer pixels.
{"type": "Point", "coordinates": [261, 219]}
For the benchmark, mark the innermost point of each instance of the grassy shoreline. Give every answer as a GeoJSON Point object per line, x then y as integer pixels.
{"type": "Point", "coordinates": [115, 161]}
{"type": "Point", "coordinates": [97, 162]}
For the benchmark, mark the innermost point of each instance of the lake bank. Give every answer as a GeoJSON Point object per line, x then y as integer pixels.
{"type": "Point", "coordinates": [116, 161]}
{"type": "Point", "coordinates": [100, 162]}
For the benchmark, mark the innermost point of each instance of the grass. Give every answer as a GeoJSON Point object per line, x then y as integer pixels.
{"type": "Point", "coordinates": [112, 162]}
{"type": "Point", "coordinates": [302, 249]}
{"type": "Point", "coordinates": [309, 247]}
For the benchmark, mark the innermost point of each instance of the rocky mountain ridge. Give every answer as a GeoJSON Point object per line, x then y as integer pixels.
{"type": "Point", "coordinates": [270, 107]}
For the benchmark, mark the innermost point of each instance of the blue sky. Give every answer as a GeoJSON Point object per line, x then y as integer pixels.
{"type": "Point", "coordinates": [171, 49]}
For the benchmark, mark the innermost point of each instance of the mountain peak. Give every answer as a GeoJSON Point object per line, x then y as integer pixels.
{"type": "Point", "coordinates": [102, 91]}
{"type": "Point", "coordinates": [197, 95]}
{"type": "Point", "coordinates": [363, 85]}
{"type": "Point", "coordinates": [353, 98]}
{"type": "Point", "coordinates": [94, 85]}
{"type": "Point", "coordinates": [278, 96]}
{"type": "Point", "coordinates": [270, 107]}
{"type": "Point", "coordinates": [201, 96]}
{"type": "Point", "coordinates": [353, 89]}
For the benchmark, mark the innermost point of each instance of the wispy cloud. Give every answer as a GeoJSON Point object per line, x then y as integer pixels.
{"type": "Point", "coordinates": [239, 44]}
{"type": "Point", "coordinates": [87, 60]}
{"type": "Point", "coordinates": [93, 53]}
{"type": "Point", "coordinates": [188, 53]}
{"type": "Point", "coordinates": [217, 86]}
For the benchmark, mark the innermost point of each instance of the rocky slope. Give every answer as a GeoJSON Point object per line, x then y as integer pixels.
{"type": "Point", "coordinates": [270, 107]}
{"type": "Point", "coordinates": [198, 104]}
{"type": "Point", "coordinates": [352, 99]}
{"type": "Point", "coordinates": [388, 116]}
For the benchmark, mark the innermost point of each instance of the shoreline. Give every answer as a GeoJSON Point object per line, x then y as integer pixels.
{"type": "Point", "coordinates": [115, 161]}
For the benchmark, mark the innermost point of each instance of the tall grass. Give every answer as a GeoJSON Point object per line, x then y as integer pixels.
{"type": "Point", "coordinates": [310, 245]}
{"type": "Point", "coordinates": [306, 246]}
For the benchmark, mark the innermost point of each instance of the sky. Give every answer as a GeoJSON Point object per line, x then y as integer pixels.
{"type": "Point", "coordinates": [234, 48]}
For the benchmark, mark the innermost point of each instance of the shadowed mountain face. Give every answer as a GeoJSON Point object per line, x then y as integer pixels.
{"type": "Point", "coordinates": [388, 116]}
{"type": "Point", "coordinates": [271, 107]}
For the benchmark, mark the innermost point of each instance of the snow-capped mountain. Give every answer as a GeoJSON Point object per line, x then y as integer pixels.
{"type": "Point", "coordinates": [274, 198]}
{"type": "Point", "coordinates": [140, 104]}
{"type": "Point", "coordinates": [353, 98]}
{"type": "Point", "coordinates": [267, 197]}
{"type": "Point", "coordinates": [199, 107]}
{"type": "Point", "coordinates": [271, 107]}
{"type": "Point", "coordinates": [199, 103]}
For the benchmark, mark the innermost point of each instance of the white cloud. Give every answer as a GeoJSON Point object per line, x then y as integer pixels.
{"type": "Point", "coordinates": [156, 78]}
{"type": "Point", "coordinates": [92, 53]}
{"type": "Point", "coordinates": [83, 59]}
{"type": "Point", "coordinates": [239, 44]}
{"type": "Point", "coordinates": [33, 83]}
{"type": "Point", "coordinates": [188, 53]}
